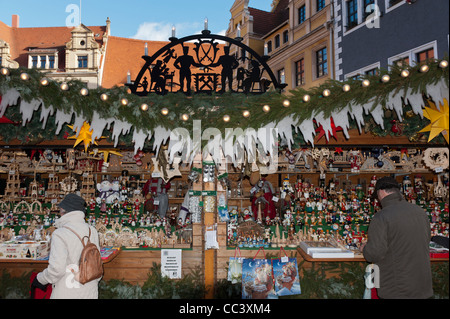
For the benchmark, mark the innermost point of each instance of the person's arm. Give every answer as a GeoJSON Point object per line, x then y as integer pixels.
{"type": "Point", "coordinates": [57, 262]}
{"type": "Point", "coordinates": [376, 246]}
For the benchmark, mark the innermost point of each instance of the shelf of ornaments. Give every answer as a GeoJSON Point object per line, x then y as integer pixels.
{"type": "Point", "coordinates": [361, 181]}
{"type": "Point", "coordinates": [348, 229]}
{"type": "Point", "coordinates": [126, 224]}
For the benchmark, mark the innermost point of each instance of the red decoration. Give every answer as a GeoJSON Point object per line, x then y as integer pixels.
{"type": "Point", "coordinates": [396, 128]}
{"type": "Point", "coordinates": [4, 119]}
{"type": "Point", "coordinates": [332, 134]}
{"type": "Point", "coordinates": [338, 150]}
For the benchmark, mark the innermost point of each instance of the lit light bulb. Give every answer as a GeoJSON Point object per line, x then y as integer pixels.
{"type": "Point", "coordinates": [405, 73]}
{"type": "Point", "coordinates": [226, 118]}
{"type": "Point", "coordinates": [24, 76]}
{"type": "Point", "coordinates": [124, 102]}
{"type": "Point", "coordinates": [266, 108]}
{"type": "Point", "coordinates": [164, 111]}
{"type": "Point", "coordinates": [185, 117]}
{"type": "Point", "coordinates": [385, 78]}
{"type": "Point", "coordinates": [424, 68]}
{"type": "Point", "coordinates": [4, 71]}
{"type": "Point", "coordinates": [44, 82]}
{"type": "Point", "coordinates": [365, 83]}
{"type": "Point", "coordinates": [84, 91]}
{"type": "Point", "coordinates": [326, 92]}
{"type": "Point", "coordinates": [306, 98]}
{"type": "Point", "coordinates": [246, 114]}
{"type": "Point", "coordinates": [144, 107]}
{"type": "Point", "coordinates": [64, 86]}
{"type": "Point", "coordinates": [346, 88]}
{"type": "Point", "coordinates": [104, 97]}
{"type": "Point", "coordinates": [443, 64]}
{"type": "Point", "coordinates": [286, 103]}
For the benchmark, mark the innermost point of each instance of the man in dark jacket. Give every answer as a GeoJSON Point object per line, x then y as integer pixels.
{"type": "Point", "coordinates": [398, 243]}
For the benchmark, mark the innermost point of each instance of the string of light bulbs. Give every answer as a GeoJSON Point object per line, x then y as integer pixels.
{"type": "Point", "coordinates": [346, 87]}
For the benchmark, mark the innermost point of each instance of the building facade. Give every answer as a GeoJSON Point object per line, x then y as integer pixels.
{"type": "Point", "coordinates": [297, 35]}
{"type": "Point", "coordinates": [375, 34]}
{"type": "Point", "coordinates": [86, 53]}
{"type": "Point", "coordinates": [61, 52]}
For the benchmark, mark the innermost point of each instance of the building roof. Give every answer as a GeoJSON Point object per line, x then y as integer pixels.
{"type": "Point", "coordinates": [21, 40]}
{"type": "Point", "coordinates": [120, 56]}
{"type": "Point", "coordinates": [264, 21]}
{"type": "Point", "coordinates": [123, 55]}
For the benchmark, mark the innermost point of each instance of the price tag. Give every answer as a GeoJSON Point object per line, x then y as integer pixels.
{"type": "Point", "coordinates": [156, 174]}
{"type": "Point", "coordinates": [275, 199]}
{"type": "Point", "coordinates": [438, 169]}
{"type": "Point", "coordinates": [291, 166]}
{"type": "Point", "coordinates": [284, 259]}
{"type": "Point", "coordinates": [156, 202]}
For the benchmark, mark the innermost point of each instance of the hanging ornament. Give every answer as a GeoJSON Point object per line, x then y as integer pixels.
{"type": "Point", "coordinates": [84, 135]}
{"type": "Point", "coordinates": [396, 128]}
{"type": "Point", "coordinates": [439, 120]}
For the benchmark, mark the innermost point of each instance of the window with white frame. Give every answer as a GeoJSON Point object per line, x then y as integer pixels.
{"type": "Point", "coordinates": [352, 13]}
{"type": "Point", "coordinates": [393, 4]}
{"type": "Point", "coordinates": [369, 8]}
{"type": "Point", "coordinates": [415, 56]}
{"type": "Point", "coordinates": [42, 60]}
{"type": "Point", "coordinates": [355, 13]}
{"type": "Point", "coordinates": [372, 69]}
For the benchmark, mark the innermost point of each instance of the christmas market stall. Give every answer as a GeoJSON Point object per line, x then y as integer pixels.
{"type": "Point", "coordinates": [232, 168]}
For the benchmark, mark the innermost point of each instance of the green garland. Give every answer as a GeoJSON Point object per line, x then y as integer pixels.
{"type": "Point", "coordinates": [210, 109]}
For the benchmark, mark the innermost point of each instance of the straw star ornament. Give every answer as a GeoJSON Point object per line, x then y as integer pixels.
{"type": "Point", "coordinates": [84, 135]}
{"type": "Point", "coordinates": [439, 120]}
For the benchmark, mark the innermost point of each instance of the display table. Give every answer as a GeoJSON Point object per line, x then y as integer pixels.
{"type": "Point", "coordinates": [106, 258]}
{"type": "Point", "coordinates": [357, 258]}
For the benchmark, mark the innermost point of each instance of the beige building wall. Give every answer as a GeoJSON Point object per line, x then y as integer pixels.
{"type": "Point", "coordinates": [304, 40]}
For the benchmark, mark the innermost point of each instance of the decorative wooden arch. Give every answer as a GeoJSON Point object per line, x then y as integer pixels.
{"type": "Point", "coordinates": [205, 38]}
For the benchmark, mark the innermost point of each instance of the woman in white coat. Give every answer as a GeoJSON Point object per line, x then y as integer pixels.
{"type": "Point", "coordinates": [65, 252]}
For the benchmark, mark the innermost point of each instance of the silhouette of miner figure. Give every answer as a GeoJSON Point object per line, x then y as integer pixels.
{"type": "Point", "coordinates": [228, 63]}
{"type": "Point", "coordinates": [184, 63]}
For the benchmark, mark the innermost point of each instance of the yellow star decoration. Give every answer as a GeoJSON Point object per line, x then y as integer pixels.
{"type": "Point", "coordinates": [106, 154]}
{"type": "Point", "coordinates": [439, 120]}
{"type": "Point", "coordinates": [84, 135]}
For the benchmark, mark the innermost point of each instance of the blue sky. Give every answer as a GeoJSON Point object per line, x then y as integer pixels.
{"type": "Point", "coordinates": [142, 19]}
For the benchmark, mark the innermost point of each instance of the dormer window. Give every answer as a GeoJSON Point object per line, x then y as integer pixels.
{"type": "Point", "coordinates": [43, 59]}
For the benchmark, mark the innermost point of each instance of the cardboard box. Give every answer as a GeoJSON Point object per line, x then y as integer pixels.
{"type": "Point", "coordinates": [24, 250]}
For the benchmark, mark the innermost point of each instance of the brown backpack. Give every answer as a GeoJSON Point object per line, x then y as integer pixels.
{"type": "Point", "coordinates": [91, 264]}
